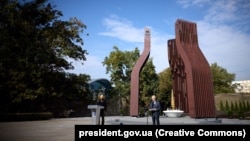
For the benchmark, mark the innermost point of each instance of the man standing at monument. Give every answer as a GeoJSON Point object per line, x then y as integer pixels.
{"type": "Point", "coordinates": [155, 108]}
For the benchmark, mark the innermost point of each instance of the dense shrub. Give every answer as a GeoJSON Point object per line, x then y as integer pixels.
{"type": "Point", "coordinates": [236, 106]}
{"type": "Point", "coordinates": [248, 106]}
{"type": "Point", "coordinates": [227, 106]}
{"type": "Point", "coordinates": [232, 107]}
{"type": "Point", "coordinates": [236, 109]}
{"type": "Point", "coordinates": [222, 108]}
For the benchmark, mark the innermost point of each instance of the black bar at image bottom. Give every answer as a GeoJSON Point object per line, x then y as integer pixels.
{"type": "Point", "coordinates": [161, 132]}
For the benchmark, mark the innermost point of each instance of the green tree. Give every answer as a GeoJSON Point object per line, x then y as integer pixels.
{"type": "Point", "coordinates": [222, 108]}
{"type": "Point", "coordinates": [232, 106]}
{"type": "Point", "coordinates": [236, 106]}
{"type": "Point", "coordinates": [165, 85]}
{"type": "Point", "coordinates": [119, 65]}
{"type": "Point", "coordinates": [34, 51]}
{"type": "Point", "coordinates": [222, 79]}
{"type": "Point", "coordinates": [248, 106]}
{"type": "Point", "coordinates": [227, 108]}
{"type": "Point", "coordinates": [241, 111]}
{"type": "Point", "coordinates": [244, 106]}
{"type": "Point", "coordinates": [149, 83]}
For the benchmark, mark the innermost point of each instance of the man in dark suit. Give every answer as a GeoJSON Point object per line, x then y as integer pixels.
{"type": "Point", "coordinates": [155, 108]}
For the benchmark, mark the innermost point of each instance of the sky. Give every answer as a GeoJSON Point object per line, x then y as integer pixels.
{"type": "Point", "coordinates": [223, 30]}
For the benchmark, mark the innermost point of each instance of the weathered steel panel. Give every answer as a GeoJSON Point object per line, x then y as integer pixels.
{"type": "Point", "coordinates": [135, 75]}
{"type": "Point", "coordinates": [192, 77]}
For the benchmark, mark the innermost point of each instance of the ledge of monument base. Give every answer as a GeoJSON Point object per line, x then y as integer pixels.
{"type": "Point", "coordinates": [209, 120]}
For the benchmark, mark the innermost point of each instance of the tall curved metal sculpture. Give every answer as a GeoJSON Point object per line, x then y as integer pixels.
{"type": "Point", "coordinates": [192, 77]}
{"type": "Point", "coordinates": [135, 75]}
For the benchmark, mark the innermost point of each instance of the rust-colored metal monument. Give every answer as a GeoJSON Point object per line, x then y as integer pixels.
{"type": "Point", "coordinates": [135, 75]}
{"type": "Point", "coordinates": [192, 77]}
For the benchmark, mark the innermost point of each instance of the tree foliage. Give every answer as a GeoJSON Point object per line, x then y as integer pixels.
{"type": "Point", "coordinates": [149, 83]}
{"type": "Point", "coordinates": [222, 108]}
{"type": "Point", "coordinates": [165, 86]}
{"type": "Point", "coordinates": [119, 65]}
{"type": "Point", "coordinates": [34, 51]}
{"type": "Point", "coordinates": [227, 108]}
{"type": "Point", "coordinates": [222, 79]}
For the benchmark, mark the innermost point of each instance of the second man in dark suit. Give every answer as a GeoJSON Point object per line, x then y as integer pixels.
{"type": "Point", "coordinates": [155, 108]}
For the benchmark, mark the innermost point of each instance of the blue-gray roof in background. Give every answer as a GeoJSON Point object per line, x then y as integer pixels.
{"type": "Point", "coordinates": [96, 84]}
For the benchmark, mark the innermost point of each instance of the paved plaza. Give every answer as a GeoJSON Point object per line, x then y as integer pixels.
{"type": "Point", "coordinates": [62, 129]}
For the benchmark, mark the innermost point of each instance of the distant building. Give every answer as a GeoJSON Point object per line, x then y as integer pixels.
{"type": "Point", "coordinates": [242, 86]}
{"type": "Point", "coordinates": [98, 86]}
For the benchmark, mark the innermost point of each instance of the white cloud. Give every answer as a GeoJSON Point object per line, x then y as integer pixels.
{"type": "Point", "coordinates": [224, 45]}
{"type": "Point", "coordinates": [231, 12]}
{"type": "Point", "coordinates": [224, 34]}
{"type": "Point", "coordinates": [219, 43]}
{"type": "Point", "coordinates": [228, 11]}
{"type": "Point", "coordinates": [159, 50]}
{"type": "Point", "coordinates": [188, 3]}
{"type": "Point", "coordinates": [122, 29]}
